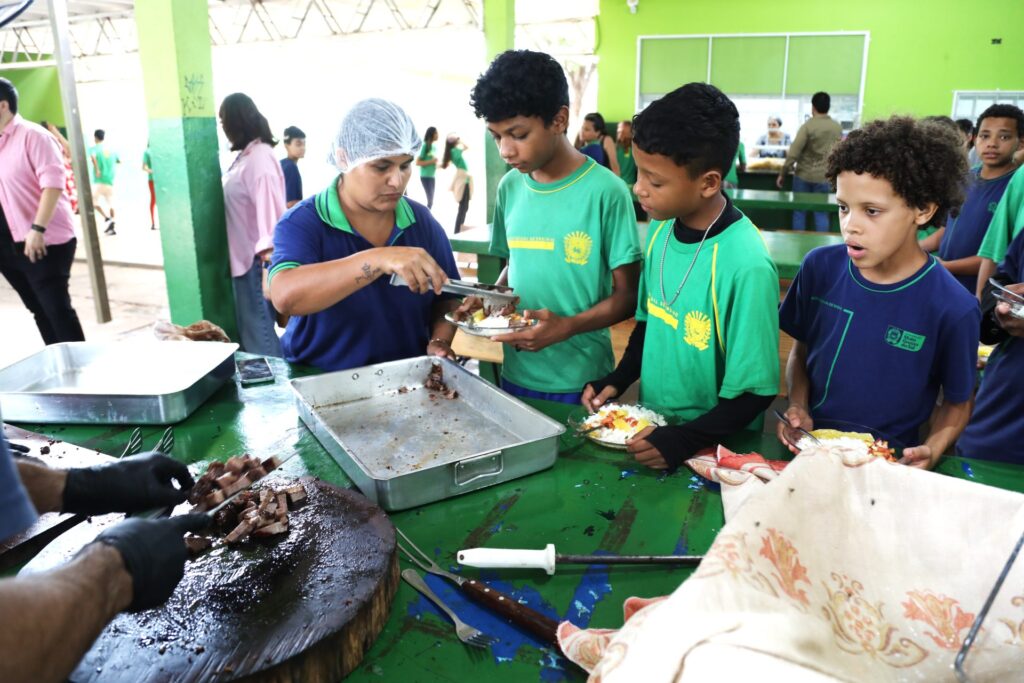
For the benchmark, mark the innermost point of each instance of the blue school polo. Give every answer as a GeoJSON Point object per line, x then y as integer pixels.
{"type": "Point", "coordinates": [379, 322]}
{"type": "Point", "coordinates": [292, 180]}
{"type": "Point", "coordinates": [964, 233]}
{"type": "Point", "coordinates": [996, 429]}
{"type": "Point", "coordinates": [877, 355]}
{"type": "Point", "coordinates": [16, 510]}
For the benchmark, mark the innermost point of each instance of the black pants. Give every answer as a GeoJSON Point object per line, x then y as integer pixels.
{"type": "Point", "coordinates": [43, 288]}
{"type": "Point", "coordinates": [460, 217]}
{"type": "Point", "coordinates": [428, 187]}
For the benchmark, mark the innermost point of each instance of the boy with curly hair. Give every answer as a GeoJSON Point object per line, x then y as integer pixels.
{"type": "Point", "coordinates": [880, 326]}
{"type": "Point", "coordinates": [705, 347]}
{"type": "Point", "coordinates": [566, 226]}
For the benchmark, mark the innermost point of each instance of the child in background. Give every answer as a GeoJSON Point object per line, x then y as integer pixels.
{"type": "Point", "coordinates": [705, 346]}
{"type": "Point", "coordinates": [1006, 224]}
{"type": "Point", "coordinates": [627, 166]}
{"type": "Point", "coordinates": [996, 430]}
{"type": "Point", "coordinates": [565, 225]}
{"type": "Point", "coordinates": [427, 161]}
{"type": "Point", "coordinates": [597, 144]}
{"type": "Point", "coordinates": [999, 130]}
{"type": "Point", "coordinates": [880, 326]}
{"type": "Point", "coordinates": [147, 167]}
{"type": "Point", "coordinates": [462, 183]}
{"type": "Point", "coordinates": [295, 148]}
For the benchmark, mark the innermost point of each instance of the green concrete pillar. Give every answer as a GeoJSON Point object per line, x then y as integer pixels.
{"type": "Point", "coordinates": [177, 74]}
{"type": "Point", "coordinates": [499, 35]}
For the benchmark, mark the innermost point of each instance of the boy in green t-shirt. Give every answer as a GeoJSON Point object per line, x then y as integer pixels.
{"type": "Point", "coordinates": [566, 226]}
{"type": "Point", "coordinates": [104, 164]}
{"type": "Point", "coordinates": [706, 343]}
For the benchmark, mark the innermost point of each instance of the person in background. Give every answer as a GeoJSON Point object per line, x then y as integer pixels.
{"type": "Point", "coordinates": [565, 224]}
{"type": "Point", "coordinates": [104, 166]}
{"type": "Point", "coordinates": [627, 165]}
{"type": "Point", "coordinates": [996, 430]}
{"type": "Point", "coordinates": [134, 565]}
{"type": "Point", "coordinates": [334, 254]}
{"type": "Point", "coordinates": [462, 183]}
{"type": "Point", "coordinates": [253, 203]}
{"type": "Point", "coordinates": [69, 186]}
{"type": "Point", "coordinates": [597, 144]}
{"type": "Point", "coordinates": [967, 132]}
{"type": "Point", "coordinates": [295, 148]}
{"type": "Point", "coordinates": [774, 138]}
{"type": "Point", "coordinates": [1006, 224]}
{"type": "Point", "coordinates": [807, 155]}
{"type": "Point", "coordinates": [880, 328]}
{"type": "Point", "coordinates": [739, 162]}
{"type": "Point", "coordinates": [705, 345]}
{"type": "Point", "coordinates": [147, 166]}
{"type": "Point", "coordinates": [37, 234]}
{"type": "Point", "coordinates": [999, 137]}
{"type": "Point", "coordinates": [427, 162]}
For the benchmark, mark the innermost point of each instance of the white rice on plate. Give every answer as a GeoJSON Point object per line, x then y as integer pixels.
{"type": "Point", "coordinates": [619, 435]}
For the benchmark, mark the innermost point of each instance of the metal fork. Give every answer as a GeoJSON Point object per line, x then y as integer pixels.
{"type": "Point", "coordinates": [134, 445]}
{"type": "Point", "coordinates": [469, 635]}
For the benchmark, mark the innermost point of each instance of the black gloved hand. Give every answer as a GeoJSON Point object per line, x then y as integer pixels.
{"type": "Point", "coordinates": [154, 554]}
{"type": "Point", "coordinates": [134, 484]}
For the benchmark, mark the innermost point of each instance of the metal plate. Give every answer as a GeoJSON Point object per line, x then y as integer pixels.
{"type": "Point", "coordinates": [132, 382]}
{"type": "Point", "coordinates": [471, 329]}
{"type": "Point", "coordinates": [404, 445]}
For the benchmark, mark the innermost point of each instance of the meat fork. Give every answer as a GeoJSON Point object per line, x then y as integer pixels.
{"type": "Point", "coordinates": [532, 621]}
{"type": "Point", "coordinates": [467, 634]}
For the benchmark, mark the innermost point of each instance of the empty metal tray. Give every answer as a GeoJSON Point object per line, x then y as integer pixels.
{"type": "Point", "coordinates": [405, 446]}
{"type": "Point", "coordinates": [130, 382]}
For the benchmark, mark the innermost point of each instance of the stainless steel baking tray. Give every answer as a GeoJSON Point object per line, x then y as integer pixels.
{"type": "Point", "coordinates": [405, 446]}
{"type": "Point", "coordinates": [131, 382]}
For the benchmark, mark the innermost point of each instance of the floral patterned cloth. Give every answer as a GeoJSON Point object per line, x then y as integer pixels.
{"type": "Point", "coordinates": [858, 571]}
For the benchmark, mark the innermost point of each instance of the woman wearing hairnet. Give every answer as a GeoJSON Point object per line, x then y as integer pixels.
{"type": "Point", "coordinates": [334, 254]}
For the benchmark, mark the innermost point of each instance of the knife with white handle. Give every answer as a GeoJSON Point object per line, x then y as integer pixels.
{"type": "Point", "coordinates": [547, 559]}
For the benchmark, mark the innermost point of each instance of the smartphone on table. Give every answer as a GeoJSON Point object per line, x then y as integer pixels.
{"type": "Point", "coordinates": [254, 371]}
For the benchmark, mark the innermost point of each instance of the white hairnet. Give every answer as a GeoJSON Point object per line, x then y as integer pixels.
{"type": "Point", "coordinates": [372, 129]}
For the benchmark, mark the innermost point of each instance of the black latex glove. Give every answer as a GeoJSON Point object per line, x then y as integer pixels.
{"type": "Point", "coordinates": [154, 554]}
{"type": "Point", "coordinates": [134, 484]}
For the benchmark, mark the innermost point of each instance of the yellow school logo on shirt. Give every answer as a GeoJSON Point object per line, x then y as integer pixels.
{"type": "Point", "coordinates": [577, 248]}
{"type": "Point", "coordinates": [537, 243]}
{"type": "Point", "coordinates": [697, 330]}
{"type": "Point", "coordinates": [665, 315]}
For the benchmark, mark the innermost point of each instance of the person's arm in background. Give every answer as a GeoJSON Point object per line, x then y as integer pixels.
{"type": "Point", "coordinates": [931, 243]}
{"type": "Point", "coordinates": [741, 158]}
{"type": "Point", "coordinates": [613, 158]}
{"type": "Point", "coordinates": [986, 269]}
{"type": "Point", "coordinates": [969, 265]}
{"type": "Point", "coordinates": [799, 388]}
{"type": "Point", "coordinates": [792, 155]}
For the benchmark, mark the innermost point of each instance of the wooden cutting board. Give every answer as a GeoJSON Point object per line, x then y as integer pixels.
{"type": "Point", "coordinates": [56, 454]}
{"type": "Point", "coordinates": [305, 607]}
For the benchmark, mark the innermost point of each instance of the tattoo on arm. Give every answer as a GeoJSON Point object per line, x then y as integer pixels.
{"type": "Point", "coordinates": [369, 274]}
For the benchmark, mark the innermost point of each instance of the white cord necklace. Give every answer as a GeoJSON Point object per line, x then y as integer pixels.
{"type": "Point", "coordinates": [693, 261]}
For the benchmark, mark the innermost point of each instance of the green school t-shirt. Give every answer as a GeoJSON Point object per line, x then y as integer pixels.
{"type": "Point", "coordinates": [457, 159]}
{"type": "Point", "coordinates": [563, 240]}
{"type": "Point", "coordinates": [147, 160]}
{"type": "Point", "coordinates": [1007, 221]}
{"type": "Point", "coordinates": [426, 154]}
{"type": "Point", "coordinates": [720, 338]}
{"type": "Point", "coordinates": [105, 164]}
{"type": "Point", "coordinates": [741, 158]}
{"type": "Point", "coordinates": [627, 168]}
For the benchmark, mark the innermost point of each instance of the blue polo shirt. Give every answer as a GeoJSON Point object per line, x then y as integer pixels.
{"type": "Point", "coordinates": [292, 180]}
{"type": "Point", "coordinates": [964, 233]}
{"type": "Point", "coordinates": [16, 510]}
{"type": "Point", "coordinates": [877, 355]}
{"type": "Point", "coordinates": [996, 429]}
{"type": "Point", "coordinates": [379, 322]}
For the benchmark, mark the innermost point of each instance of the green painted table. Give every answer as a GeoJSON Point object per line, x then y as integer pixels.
{"type": "Point", "coordinates": [786, 247]}
{"type": "Point", "coordinates": [772, 208]}
{"type": "Point", "coordinates": [592, 500]}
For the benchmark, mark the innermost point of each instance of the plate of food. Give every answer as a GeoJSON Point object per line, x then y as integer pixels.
{"type": "Point", "coordinates": [852, 439]}
{"type": "Point", "coordinates": [615, 423]}
{"type": "Point", "coordinates": [490, 323]}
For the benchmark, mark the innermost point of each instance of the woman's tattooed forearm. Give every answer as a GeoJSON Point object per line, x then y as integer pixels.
{"type": "Point", "coordinates": [369, 274]}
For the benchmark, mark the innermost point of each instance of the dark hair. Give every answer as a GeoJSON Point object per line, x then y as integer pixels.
{"type": "Point", "coordinates": [965, 125]}
{"type": "Point", "coordinates": [922, 160]}
{"type": "Point", "coordinates": [942, 120]}
{"type": "Point", "coordinates": [9, 94]}
{"type": "Point", "coordinates": [243, 122]}
{"type": "Point", "coordinates": [776, 119]}
{"type": "Point", "coordinates": [449, 145]}
{"type": "Point", "coordinates": [1004, 111]}
{"type": "Point", "coordinates": [520, 83]}
{"type": "Point", "coordinates": [99, 134]}
{"type": "Point", "coordinates": [696, 126]}
{"type": "Point", "coordinates": [597, 121]}
{"type": "Point", "coordinates": [293, 133]}
{"type": "Point", "coordinates": [428, 137]}
{"type": "Point", "coordinates": [821, 102]}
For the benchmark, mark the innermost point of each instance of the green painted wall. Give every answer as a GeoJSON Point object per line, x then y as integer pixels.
{"type": "Point", "coordinates": [918, 55]}
{"type": "Point", "coordinates": [38, 93]}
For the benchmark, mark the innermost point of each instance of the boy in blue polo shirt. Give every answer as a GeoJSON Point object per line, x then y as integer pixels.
{"type": "Point", "coordinates": [999, 137]}
{"type": "Point", "coordinates": [996, 429]}
{"type": "Point", "coordinates": [880, 326]}
{"type": "Point", "coordinates": [566, 225]}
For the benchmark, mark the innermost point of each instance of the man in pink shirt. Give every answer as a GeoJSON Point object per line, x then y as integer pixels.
{"type": "Point", "coordinates": [37, 237]}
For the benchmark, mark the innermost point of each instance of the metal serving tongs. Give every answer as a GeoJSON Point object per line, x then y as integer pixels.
{"type": "Point", "coordinates": [493, 295]}
{"type": "Point", "coordinates": [511, 609]}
